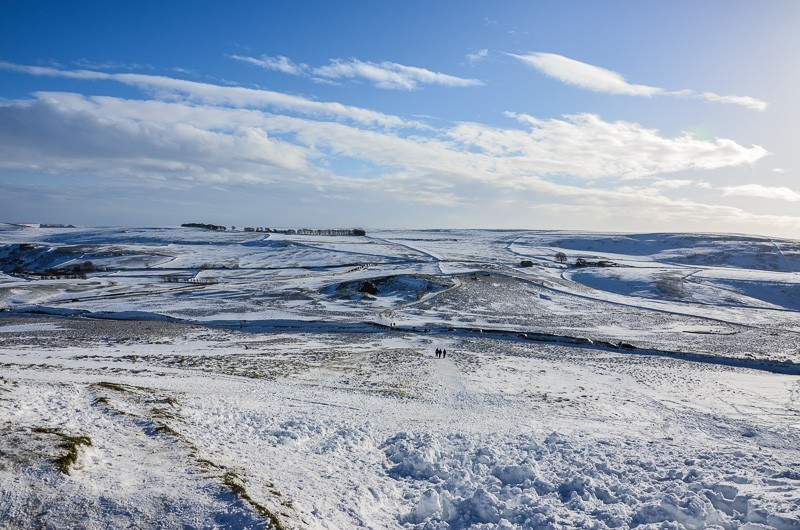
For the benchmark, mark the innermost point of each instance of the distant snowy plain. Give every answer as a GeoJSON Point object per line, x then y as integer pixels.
{"type": "Point", "coordinates": [250, 380]}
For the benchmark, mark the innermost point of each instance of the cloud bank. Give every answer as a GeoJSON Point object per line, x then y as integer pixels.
{"type": "Point", "coordinates": [597, 79]}
{"type": "Point", "coordinates": [64, 132]}
{"type": "Point", "coordinates": [179, 134]}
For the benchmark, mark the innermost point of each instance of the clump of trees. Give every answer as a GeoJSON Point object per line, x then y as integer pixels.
{"type": "Point", "coordinates": [289, 231]}
{"type": "Point", "coordinates": [561, 257]}
{"type": "Point", "coordinates": [323, 231]}
{"type": "Point", "coordinates": [77, 271]}
{"type": "Point", "coordinates": [204, 225]}
{"type": "Point", "coordinates": [201, 281]}
{"type": "Point", "coordinates": [581, 262]}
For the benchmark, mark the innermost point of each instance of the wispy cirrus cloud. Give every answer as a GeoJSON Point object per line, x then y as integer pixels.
{"type": "Point", "coordinates": [386, 74]}
{"type": "Point", "coordinates": [279, 63]}
{"type": "Point", "coordinates": [598, 79]}
{"type": "Point", "coordinates": [765, 192]}
{"type": "Point", "coordinates": [223, 95]}
{"type": "Point", "coordinates": [391, 75]}
{"type": "Point", "coordinates": [744, 101]}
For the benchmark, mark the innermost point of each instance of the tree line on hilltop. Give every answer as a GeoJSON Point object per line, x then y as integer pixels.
{"type": "Point", "coordinates": [289, 231]}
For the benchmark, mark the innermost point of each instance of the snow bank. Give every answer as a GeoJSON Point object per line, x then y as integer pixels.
{"type": "Point", "coordinates": [551, 483]}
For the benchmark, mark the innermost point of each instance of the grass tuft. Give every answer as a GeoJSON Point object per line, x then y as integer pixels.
{"type": "Point", "coordinates": [206, 463]}
{"type": "Point", "coordinates": [234, 483]}
{"type": "Point", "coordinates": [162, 413]}
{"type": "Point", "coordinates": [169, 401]}
{"type": "Point", "coordinates": [112, 386]}
{"type": "Point", "coordinates": [70, 444]}
{"type": "Point", "coordinates": [166, 429]}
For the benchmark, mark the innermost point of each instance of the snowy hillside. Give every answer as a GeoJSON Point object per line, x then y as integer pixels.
{"type": "Point", "coordinates": [179, 377]}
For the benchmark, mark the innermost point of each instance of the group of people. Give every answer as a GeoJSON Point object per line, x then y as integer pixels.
{"type": "Point", "coordinates": [441, 353]}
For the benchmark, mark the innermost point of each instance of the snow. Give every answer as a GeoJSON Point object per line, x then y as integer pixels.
{"type": "Point", "coordinates": [11, 328]}
{"type": "Point", "coordinates": [328, 407]}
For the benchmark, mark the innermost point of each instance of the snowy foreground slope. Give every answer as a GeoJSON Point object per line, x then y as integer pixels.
{"type": "Point", "coordinates": [195, 379]}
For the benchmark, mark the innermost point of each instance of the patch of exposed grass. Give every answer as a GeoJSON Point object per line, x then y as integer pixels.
{"type": "Point", "coordinates": [234, 483]}
{"type": "Point", "coordinates": [70, 444]}
{"type": "Point", "coordinates": [8, 381]}
{"type": "Point", "coordinates": [166, 429]}
{"type": "Point", "coordinates": [168, 401]}
{"type": "Point", "coordinates": [100, 401]}
{"type": "Point", "coordinates": [162, 413]}
{"type": "Point", "coordinates": [206, 463]}
{"type": "Point", "coordinates": [112, 386]}
{"type": "Point", "coordinates": [119, 387]}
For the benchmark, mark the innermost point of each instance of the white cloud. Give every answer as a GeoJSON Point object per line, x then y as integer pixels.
{"type": "Point", "coordinates": [599, 79]}
{"type": "Point", "coordinates": [390, 75]}
{"type": "Point", "coordinates": [386, 74]}
{"type": "Point", "coordinates": [169, 87]}
{"type": "Point", "coordinates": [194, 134]}
{"type": "Point", "coordinates": [584, 75]}
{"type": "Point", "coordinates": [278, 63]}
{"type": "Point", "coordinates": [478, 56]}
{"type": "Point", "coordinates": [588, 147]}
{"type": "Point", "coordinates": [67, 134]}
{"type": "Point", "coordinates": [744, 101]}
{"type": "Point", "coordinates": [60, 133]}
{"type": "Point", "coordinates": [672, 184]}
{"type": "Point", "coordinates": [765, 192]}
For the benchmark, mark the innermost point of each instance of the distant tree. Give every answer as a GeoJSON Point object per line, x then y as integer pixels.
{"type": "Point", "coordinates": [561, 257]}
{"type": "Point", "coordinates": [368, 287]}
{"type": "Point", "coordinates": [86, 266]}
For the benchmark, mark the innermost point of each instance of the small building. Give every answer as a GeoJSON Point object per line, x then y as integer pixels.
{"type": "Point", "coordinates": [526, 263]}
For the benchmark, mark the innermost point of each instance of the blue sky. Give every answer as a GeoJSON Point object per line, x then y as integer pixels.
{"type": "Point", "coordinates": [622, 116]}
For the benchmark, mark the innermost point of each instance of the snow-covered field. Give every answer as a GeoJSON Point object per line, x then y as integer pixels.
{"type": "Point", "coordinates": [198, 379]}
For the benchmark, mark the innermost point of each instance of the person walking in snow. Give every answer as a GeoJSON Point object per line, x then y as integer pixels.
{"type": "Point", "coordinates": [444, 353]}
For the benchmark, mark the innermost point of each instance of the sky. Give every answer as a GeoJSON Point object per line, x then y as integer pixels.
{"type": "Point", "coordinates": [622, 116]}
